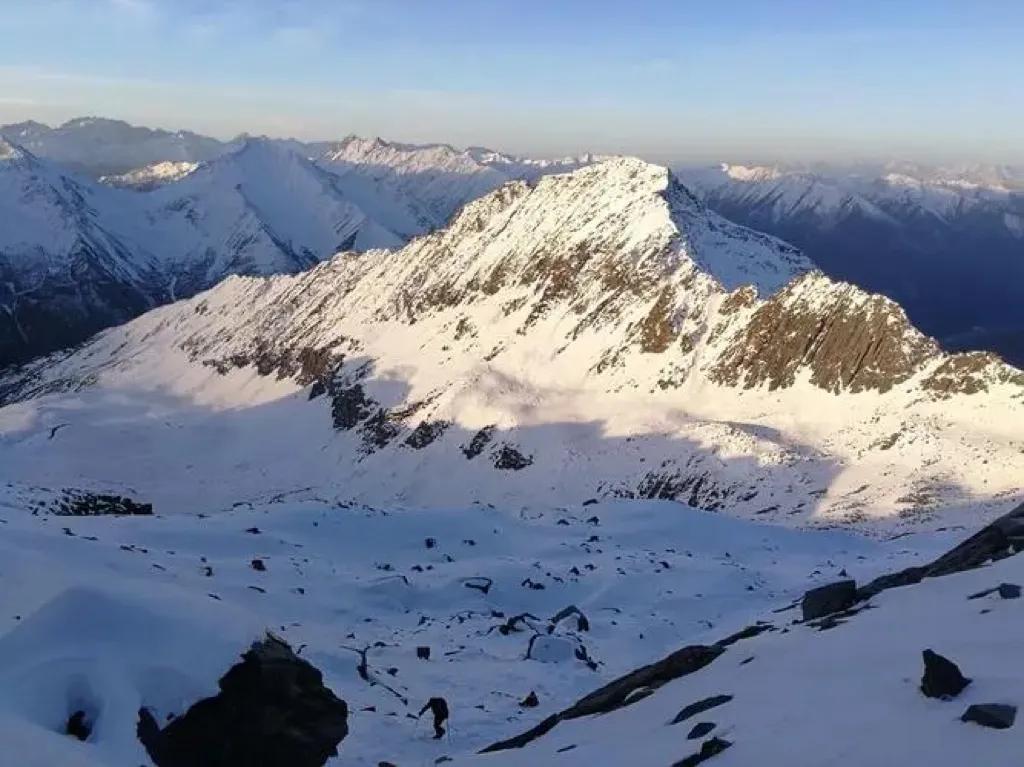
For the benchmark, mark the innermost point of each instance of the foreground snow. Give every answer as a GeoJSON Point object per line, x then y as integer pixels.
{"type": "Point", "coordinates": [108, 614]}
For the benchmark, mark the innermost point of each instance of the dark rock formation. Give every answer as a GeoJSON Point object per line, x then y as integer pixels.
{"type": "Point", "coordinates": [1009, 590]}
{"type": "Point", "coordinates": [825, 600]}
{"type": "Point", "coordinates": [477, 444]}
{"type": "Point", "coordinates": [78, 727]}
{"type": "Point", "coordinates": [700, 707]}
{"type": "Point", "coordinates": [530, 701]}
{"type": "Point", "coordinates": [616, 694]}
{"type": "Point", "coordinates": [700, 729]}
{"type": "Point", "coordinates": [272, 711]}
{"type": "Point", "coordinates": [942, 677]}
{"type": "Point", "coordinates": [423, 653]}
{"type": "Point", "coordinates": [77, 504]}
{"type": "Point", "coordinates": [997, 715]}
{"type": "Point", "coordinates": [508, 457]}
{"type": "Point", "coordinates": [425, 433]}
{"type": "Point", "coordinates": [349, 406]}
{"type": "Point", "coordinates": [998, 540]}
{"type": "Point", "coordinates": [708, 749]}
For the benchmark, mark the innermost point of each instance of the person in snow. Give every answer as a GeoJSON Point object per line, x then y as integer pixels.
{"type": "Point", "coordinates": [439, 708]}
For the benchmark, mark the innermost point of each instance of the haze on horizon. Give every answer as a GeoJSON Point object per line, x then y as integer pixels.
{"type": "Point", "coordinates": [743, 80]}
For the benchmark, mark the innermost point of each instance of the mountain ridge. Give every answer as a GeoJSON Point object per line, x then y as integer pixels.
{"type": "Point", "coordinates": [588, 335]}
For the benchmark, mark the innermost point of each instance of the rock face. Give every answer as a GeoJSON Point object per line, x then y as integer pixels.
{"type": "Point", "coordinates": [942, 677]}
{"type": "Point", "coordinates": [825, 600]}
{"type": "Point", "coordinates": [996, 715]}
{"type": "Point", "coordinates": [700, 707]}
{"type": "Point", "coordinates": [272, 711]}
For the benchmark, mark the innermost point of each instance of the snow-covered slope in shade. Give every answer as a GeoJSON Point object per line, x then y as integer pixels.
{"type": "Point", "coordinates": [600, 334]}
{"type": "Point", "coordinates": [151, 176]}
{"type": "Point", "coordinates": [98, 146]}
{"type": "Point", "coordinates": [77, 256]}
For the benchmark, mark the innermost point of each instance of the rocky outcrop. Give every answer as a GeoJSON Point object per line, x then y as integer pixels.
{"type": "Point", "coordinates": [942, 677]}
{"type": "Point", "coordinates": [847, 339]}
{"type": "Point", "coordinates": [825, 600]}
{"type": "Point", "coordinates": [272, 710]}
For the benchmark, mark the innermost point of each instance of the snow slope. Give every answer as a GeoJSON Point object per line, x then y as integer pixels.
{"type": "Point", "coordinates": [843, 696]}
{"type": "Point", "coordinates": [105, 614]}
{"type": "Point", "coordinates": [151, 176]}
{"type": "Point", "coordinates": [594, 335]}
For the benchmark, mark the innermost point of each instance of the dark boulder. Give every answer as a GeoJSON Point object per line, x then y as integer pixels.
{"type": "Point", "coordinates": [997, 715]}
{"type": "Point", "coordinates": [272, 710]}
{"type": "Point", "coordinates": [700, 729]}
{"type": "Point", "coordinates": [709, 748]}
{"type": "Point", "coordinates": [700, 707]}
{"type": "Point", "coordinates": [78, 727]}
{"type": "Point", "coordinates": [942, 677]}
{"type": "Point", "coordinates": [1009, 591]}
{"type": "Point", "coordinates": [530, 701]}
{"type": "Point", "coordinates": [825, 600]}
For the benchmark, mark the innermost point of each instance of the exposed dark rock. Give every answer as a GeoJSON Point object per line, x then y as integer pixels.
{"type": "Point", "coordinates": [1009, 591]}
{"type": "Point", "coordinates": [258, 566]}
{"type": "Point", "coordinates": [614, 694]}
{"type": "Point", "coordinates": [423, 653]}
{"type": "Point", "coordinates": [997, 715]}
{"type": "Point", "coordinates": [825, 600]}
{"type": "Point", "coordinates": [530, 701]}
{"type": "Point", "coordinates": [349, 406]}
{"type": "Point", "coordinates": [425, 433]}
{"type": "Point", "coordinates": [942, 677]}
{"type": "Point", "coordinates": [508, 457]}
{"type": "Point", "coordinates": [378, 430]}
{"type": "Point", "coordinates": [582, 624]}
{"type": "Point", "coordinates": [700, 729]}
{"type": "Point", "coordinates": [477, 444]}
{"type": "Point", "coordinates": [78, 726]}
{"type": "Point", "coordinates": [708, 749]}
{"type": "Point", "coordinates": [1002, 538]}
{"type": "Point", "coordinates": [272, 710]}
{"type": "Point", "coordinates": [430, 542]}
{"type": "Point", "coordinates": [79, 504]}
{"type": "Point", "coordinates": [700, 707]}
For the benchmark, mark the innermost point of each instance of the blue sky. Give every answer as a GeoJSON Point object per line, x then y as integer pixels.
{"type": "Point", "coordinates": [748, 80]}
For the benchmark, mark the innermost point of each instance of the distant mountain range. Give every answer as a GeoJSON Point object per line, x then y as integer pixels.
{"type": "Point", "coordinates": [86, 250]}
{"type": "Point", "coordinates": [946, 243]}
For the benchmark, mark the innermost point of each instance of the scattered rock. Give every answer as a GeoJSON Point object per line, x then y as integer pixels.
{"type": "Point", "coordinates": [430, 542]}
{"type": "Point", "coordinates": [700, 730]}
{"type": "Point", "coordinates": [700, 707]}
{"type": "Point", "coordinates": [825, 600]}
{"type": "Point", "coordinates": [258, 566]}
{"type": "Point", "coordinates": [1009, 591]}
{"type": "Point", "coordinates": [272, 710]}
{"type": "Point", "coordinates": [996, 715]}
{"type": "Point", "coordinates": [942, 677]}
{"type": "Point", "coordinates": [423, 653]}
{"type": "Point", "coordinates": [509, 458]}
{"type": "Point", "coordinates": [78, 727]}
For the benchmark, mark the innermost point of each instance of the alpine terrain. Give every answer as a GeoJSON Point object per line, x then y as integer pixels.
{"type": "Point", "coordinates": [946, 243]}
{"type": "Point", "coordinates": [548, 483]}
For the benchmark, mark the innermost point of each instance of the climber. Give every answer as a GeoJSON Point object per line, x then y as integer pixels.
{"type": "Point", "coordinates": [439, 708]}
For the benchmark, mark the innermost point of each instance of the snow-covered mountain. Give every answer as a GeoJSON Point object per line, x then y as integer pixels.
{"type": "Point", "coordinates": [947, 244]}
{"type": "Point", "coordinates": [151, 176]}
{"type": "Point", "coordinates": [78, 256]}
{"type": "Point", "coordinates": [98, 146]}
{"type": "Point", "coordinates": [598, 334]}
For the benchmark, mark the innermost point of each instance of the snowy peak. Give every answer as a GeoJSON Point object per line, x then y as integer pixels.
{"type": "Point", "coordinates": [151, 176]}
